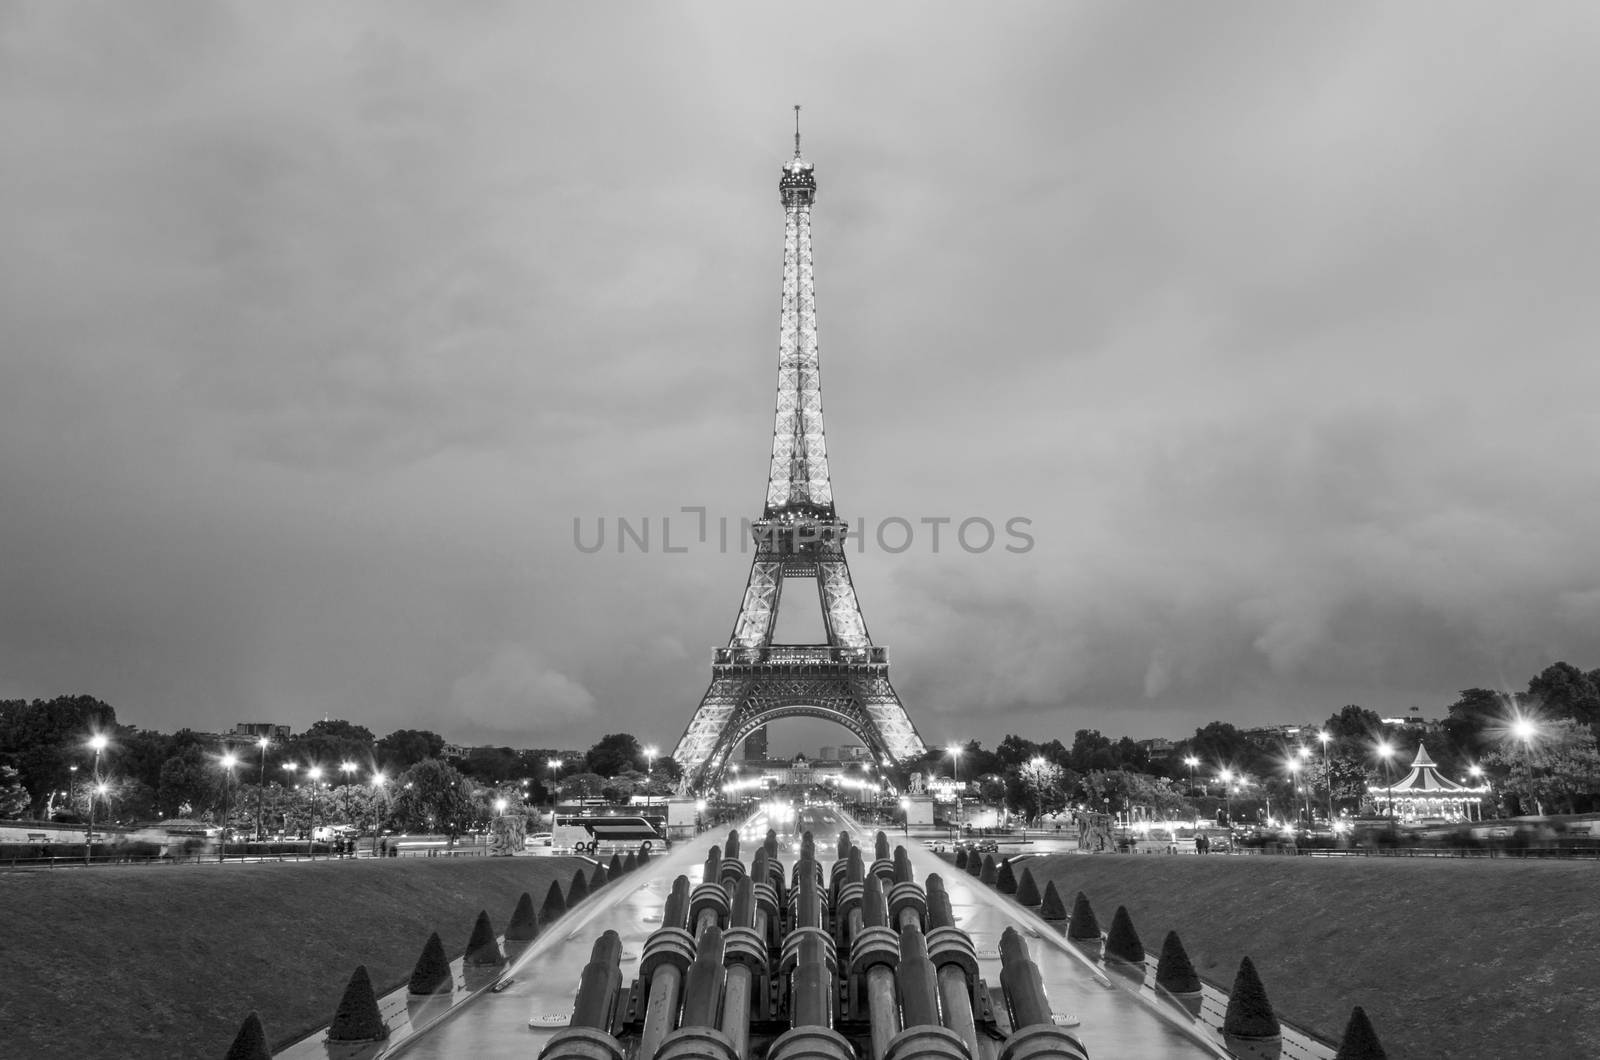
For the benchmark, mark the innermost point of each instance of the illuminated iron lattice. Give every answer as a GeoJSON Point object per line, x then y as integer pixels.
{"type": "Point", "coordinates": [754, 681]}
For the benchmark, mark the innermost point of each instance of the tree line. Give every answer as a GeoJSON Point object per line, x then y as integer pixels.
{"type": "Point", "coordinates": [1536, 747]}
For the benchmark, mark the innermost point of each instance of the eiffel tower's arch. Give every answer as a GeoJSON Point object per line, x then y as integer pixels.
{"type": "Point", "coordinates": [799, 536]}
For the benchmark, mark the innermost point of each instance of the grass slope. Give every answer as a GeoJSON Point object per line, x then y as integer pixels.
{"type": "Point", "coordinates": [162, 961]}
{"type": "Point", "coordinates": [1449, 958]}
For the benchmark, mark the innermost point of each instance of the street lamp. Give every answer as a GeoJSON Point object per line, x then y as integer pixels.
{"type": "Point", "coordinates": [261, 795]}
{"type": "Point", "coordinates": [1327, 772]}
{"type": "Point", "coordinates": [955, 774]}
{"type": "Point", "coordinates": [650, 773]}
{"type": "Point", "coordinates": [1294, 776]}
{"type": "Point", "coordinates": [1524, 729]}
{"type": "Point", "coordinates": [1191, 762]}
{"type": "Point", "coordinates": [554, 765]}
{"type": "Point", "coordinates": [314, 774]}
{"type": "Point", "coordinates": [1226, 776]}
{"type": "Point", "coordinates": [347, 768]}
{"type": "Point", "coordinates": [1386, 752]}
{"type": "Point", "coordinates": [98, 743]}
{"type": "Point", "coordinates": [378, 781]}
{"type": "Point", "coordinates": [228, 762]}
{"type": "Point", "coordinates": [1304, 754]}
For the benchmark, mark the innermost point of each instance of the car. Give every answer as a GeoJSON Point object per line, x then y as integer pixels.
{"type": "Point", "coordinates": [987, 846]}
{"type": "Point", "coordinates": [538, 839]}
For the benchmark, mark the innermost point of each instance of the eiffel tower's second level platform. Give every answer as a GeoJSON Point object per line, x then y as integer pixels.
{"type": "Point", "coordinates": [801, 655]}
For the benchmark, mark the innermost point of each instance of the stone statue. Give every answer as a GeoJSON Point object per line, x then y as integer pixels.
{"type": "Point", "coordinates": [916, 787]}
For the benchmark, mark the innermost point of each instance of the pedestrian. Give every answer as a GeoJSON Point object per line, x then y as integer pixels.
{"type": "Point", "coordinates": [383, 847]}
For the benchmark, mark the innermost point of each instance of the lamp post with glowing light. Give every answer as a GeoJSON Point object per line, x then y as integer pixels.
{"type": "Point", "coordinates": [378, 782]}
{"type": "Point", "coordinates": [1303, 753]}
{"type": "Point", "coordinates": [228, 762]}
{"type": "Point", "coordinates": [1476, 772]}
{"type": "Point", "coordinates": [289, 770]}
{"type": "Point", "coordinates": [314, 774]}
{"type": "Point", "coordinates": [650, 774]}
{"type": "Point", "coordinates": [348, 769]}
{"type": "Point", "coordinates": [1525, 730]}
{"type": "Point", "coordinates": [1327, 771]}
{"type": "Point", "coordinates": [1386, 752]}
{"type": "Point", "coordinates": [261, 795]}
{"type": "Point", "coordinates": [97, 743]}
{"type": "Point", "coordinates": [1294, 777]}
{"type": "Point", "coordinates": [1226, 776]}
{"type": "Point", "coordinates": [955, 774]}
{"type": "Point", "coordinates": [1191, 761]}
{"type": "Point", "coordinates": [554, 765]}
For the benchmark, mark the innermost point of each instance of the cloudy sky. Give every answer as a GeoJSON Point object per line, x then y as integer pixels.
{"type": "Point", "coordinates": [323, 325]}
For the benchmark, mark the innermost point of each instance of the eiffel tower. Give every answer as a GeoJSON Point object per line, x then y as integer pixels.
{"type": "Point", "coordinates": [753, 680]}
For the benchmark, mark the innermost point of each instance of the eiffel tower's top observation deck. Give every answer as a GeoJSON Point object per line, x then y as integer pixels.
{"type": "Point", "coordinates": [798, 485]}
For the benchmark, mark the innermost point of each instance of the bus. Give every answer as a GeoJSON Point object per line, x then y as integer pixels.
{"type": "Point", "coordinates": [589, 833]}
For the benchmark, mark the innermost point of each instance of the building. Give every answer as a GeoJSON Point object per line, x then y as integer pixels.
{"type": "Point", "coordinates": [255, 730]}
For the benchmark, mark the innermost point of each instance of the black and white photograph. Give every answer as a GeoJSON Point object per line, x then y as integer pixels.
{"type": "Point", "coordinates": [438, 620]}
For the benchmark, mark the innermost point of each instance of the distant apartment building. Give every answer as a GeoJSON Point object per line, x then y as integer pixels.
{"type": "Point", "coordinates": [255, 730]}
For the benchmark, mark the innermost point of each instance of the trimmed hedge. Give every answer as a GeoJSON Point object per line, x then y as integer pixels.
{"type": "Point", "coordinates": [1249, 1012]}
{"type": "Point", "coordinates": [432, 972]}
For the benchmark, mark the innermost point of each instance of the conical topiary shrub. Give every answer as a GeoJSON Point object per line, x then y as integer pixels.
{"type": "Point", "coordinates": [431, 975]}
{"type": "Point", "coordinates": [578, 889]}
{"type": "Point", "coordinates": [251, 1041]}
{"type": "Point", "coordinates": [1360, 1041]}
{"type": "Point", "coordinates": [615, 869]}
{"type": "Point", "coordinates": [1027, 890]}
{"type": "Point", "coordinates": [598, 878]}
{"type": "Point", "coordinates": [1122, 941]}
{"type": "Point", "coordinates": [358, 1018]}
{"type": "Point", "coordinates": [1083, 926]}
{"type": "Point", "coordinates": [1249, 1013]}
{"type": "Point", "coordinates": [1005, 879]}
{"type": "Point", "coordinates": [1174, 972]}
{"type": "Point", "coordinates": [989, 872]}
{"type": "Point", "coordinates": [554, 904]}
{"type": "Point", "coordinates": [629, 863]}
{"type": "Point", "coordinates": [483, 950]}
{"type": "Point", "coordinates": [524, 926]}
{"type": "Point", "coordinates": [1053, 908]}
{"type": "Point", "coordinates": [961, 857]}
{"type": "Point", "coordinates": [974, 864]}
{"type": "Point", "coordinates": [644, 852]}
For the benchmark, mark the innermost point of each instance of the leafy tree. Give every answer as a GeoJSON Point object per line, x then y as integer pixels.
{"type": "Point", "coordinates": [14, 798]}
{"type": "Point", "coordinates": [1014, 750]}
{"type": "Point", "coordinates": [404, 748]}
{"type": "Point", "coordinates": [434, 795]}
{"type": "Point", "coordinates": [328, 743]}
{"type": "Point", "coordinates": [581, 786]}
{"type": "Point", "coordinates": [1564, 691]}
{"type": "Point", "coordinates": [1470, 726]}
{"type": "Point", "coordinates": [1091, 751]}
{"type": "Point", "coordinates": [1036, 787]}
{"type": "Point", "coordinates": [1552, 772]}
{"type": "Point", "coordinates": [43, 739]}
{"type": "Point", "coordinates": [613, 754]}
{"type": "Point", "coordinates": [189, 783]}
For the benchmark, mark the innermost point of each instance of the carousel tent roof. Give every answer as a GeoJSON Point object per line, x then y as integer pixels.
{"type": "Point", "coordinates": [1424, 779]}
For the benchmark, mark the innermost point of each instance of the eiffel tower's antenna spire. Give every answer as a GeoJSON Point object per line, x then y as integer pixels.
{"type": "Point", "coordinates": [797, 130]}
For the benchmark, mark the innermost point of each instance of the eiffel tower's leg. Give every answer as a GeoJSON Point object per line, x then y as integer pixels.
{"type": "Point", "coordinates": [711, 719]}
{"type": "Point", "coordinates": [760, 608]}
{"type": "Point", "coordinates": [880, 703]}
{"type": "Point", "coordinates": [846, 627]}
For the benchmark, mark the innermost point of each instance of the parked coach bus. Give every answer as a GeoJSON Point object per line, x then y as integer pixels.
{"type": "Point", "coordinates": [587, 833]}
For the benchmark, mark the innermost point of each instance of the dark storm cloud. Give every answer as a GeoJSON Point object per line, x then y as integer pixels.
{"type": "Point", "coordinates": [322, 326]}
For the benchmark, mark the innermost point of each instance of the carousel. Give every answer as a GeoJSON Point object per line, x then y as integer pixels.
{"type": "Point", "coordinates": [1423, 792]}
